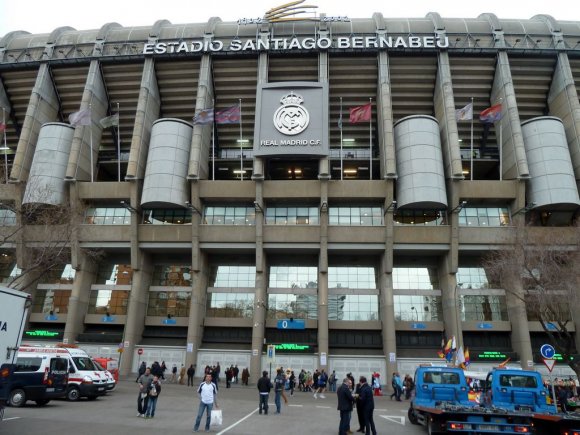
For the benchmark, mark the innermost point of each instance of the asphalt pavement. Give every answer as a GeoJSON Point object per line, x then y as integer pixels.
{"type": "Point", "coordinates": [116, 414]}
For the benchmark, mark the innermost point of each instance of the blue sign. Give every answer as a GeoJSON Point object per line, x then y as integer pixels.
{"type": "Point", "coordinates": [418, 326]}
{"type": "Point", "coordinates": [291, 324]}
{"type": "Point", "coordinates": [485, 325]}
{"type": "Point", "coordinates": [547, 351]}
{"type": "Point", "coordinates": [51, 317]}
{"type": "Point", "coordinates": [551, 326]}
{"type": "Point", "coordinates": [169, 322]}
{"type": "Point", "coordinates": [107, 319]}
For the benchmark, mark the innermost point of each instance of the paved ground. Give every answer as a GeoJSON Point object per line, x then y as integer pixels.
{"type": "Point", "coordinates": [115, 414]}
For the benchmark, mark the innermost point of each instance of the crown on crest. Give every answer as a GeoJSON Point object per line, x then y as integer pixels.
{"type": "Point", "coordinates": [291, 98]}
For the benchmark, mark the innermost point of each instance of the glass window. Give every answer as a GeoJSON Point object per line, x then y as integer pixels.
{"type": "Point", "coordinates": [232, 276]}
{"type": "Point", "coordinates": [353, 307]}
{"type": "Point", "coordinates": [7, 217]}
{"type": "Point", "coordinates": [172, 275]}
{"type": "Point", "coordinates": [355, 216]}
{"type": "Point", "coordinates": [484, 216]}
{"type": "Point", "coordinates": [28, 364]}
{"type": "Point", "coordinates": [107, 216]}
{"type": "Point", "coordinates": [238, 305]}
{"type": "Point", "coordinates": [233, 215]}
{"type": "Point", "coordinates": [293, 277]}
{"type": "Point", "coordinates": [472, 277]}
{"type": "Point", "coordinates": [352, 277]}
{"type": "Point", "coordinates": [63, 274]}
{"type": "Point", "coordinates": [415, 278]}
{"type": "Point", "coordinates": [292, 216]}
{"type": "Point", "coordinates": [179, 216]}
{"type": "Point", "coordinates": [46, 301]}
{"type": "Point", "coordinates": [171, 303]}
{"type": "Point", "coordinates": [484, 307]}
{"type": "Point", "coordinates": [108, 301]}
{"type": "Point", "coordinates": [415, 308]}
{"type": "Point", "coordinates": [420, 217]}
{"type": "Point", "coordinates": [114, 274]}
{"type": "Point", "coordinates": [286, 306]}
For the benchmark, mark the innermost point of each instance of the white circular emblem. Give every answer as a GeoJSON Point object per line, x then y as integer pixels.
{"type": "Point", "coordinates": [291, 118]}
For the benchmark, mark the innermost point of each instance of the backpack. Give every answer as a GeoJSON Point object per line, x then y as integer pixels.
{"type": "Point", "coordinates": [153, 391]}
{"type": "Point", "coordinates": [280, 381]}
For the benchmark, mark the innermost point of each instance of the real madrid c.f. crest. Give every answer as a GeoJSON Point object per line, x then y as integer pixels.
{"type": "Point", "coordinates": [292, 118]}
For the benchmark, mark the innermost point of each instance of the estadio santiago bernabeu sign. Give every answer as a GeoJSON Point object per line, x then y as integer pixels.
{"type": "Point", "coordinates": [291, 119]}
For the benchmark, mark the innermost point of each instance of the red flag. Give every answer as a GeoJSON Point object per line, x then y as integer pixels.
{"type": "Point", "coordinates": [360, 113]}
{"type": "Point", "coordinates": [2, 126]}
{"type": "Point", "coordinates": [491, 114]}
{"type": "Point", "coordinates": [229, 115]}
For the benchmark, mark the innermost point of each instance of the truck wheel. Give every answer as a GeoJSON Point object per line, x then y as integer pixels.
{"type": "Point", "coordinates": [73, 394]}
{"type": "Point", "coordinates": [412, 416]}
{"type": "Point", "coordinates": [42, 402]}
{"type": "Point", "coordinates": [17, 398]}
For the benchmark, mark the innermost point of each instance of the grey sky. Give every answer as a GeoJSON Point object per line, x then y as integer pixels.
{"type": "Point", "coordinates": [37, 16]}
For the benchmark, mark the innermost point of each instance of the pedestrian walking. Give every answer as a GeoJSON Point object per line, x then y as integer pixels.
{"type": "Point", "coordinates": [264, 387]}
{"type": "Point", "coordinates": [359, 408]}
{"type": "Point", "coordinates": [144, 382]}
{"type": "Point", "coordinates": [182, 372]}
{"type": "Point", "coordinates": [152, 395]}
{"type": "Point", "coordinates": [279, 383]}
{"type": "Point", "coordinates": [207, 392]}
{"type": "Point", "coordinates": [345, 401]}
{"type": "Point", "coordinates": [190, 375]}
{"type": "Point", "coordinates": [367, 406]}
{"type": "Point", "coordinates": [173, 379]}
{"type": "Point", "coordinates": [245, 376]}
{"type": "Point", "coordinates": [141, 370]}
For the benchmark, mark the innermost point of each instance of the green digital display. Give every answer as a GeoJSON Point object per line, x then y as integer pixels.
{"type": "Point", "coordinates": [489, 355]}
{"type": "Point", "coordinates": [41, 333]}
{"type": "Point", "coordinates": [292, 347]}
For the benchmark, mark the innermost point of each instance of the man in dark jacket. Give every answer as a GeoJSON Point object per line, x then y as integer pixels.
{"type": "Point", "coordinates": [345, 401]}
{"type": "Point", "coordinates": [367, 405]}
{"type": "Point", "coordinates": [264, 387]}
{"type": "Point", "coordinates": [359, 408]}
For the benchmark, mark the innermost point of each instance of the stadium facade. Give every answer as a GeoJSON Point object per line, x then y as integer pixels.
{"type": "Point", "coordinates": [337, 206]}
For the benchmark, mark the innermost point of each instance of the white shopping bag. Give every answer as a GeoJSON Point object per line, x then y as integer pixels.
{"type": "Point", "coordinates": [216, 417]}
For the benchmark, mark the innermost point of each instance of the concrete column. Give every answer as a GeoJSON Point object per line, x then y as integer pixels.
{"type": "Point", "coordinates": [201, 139]}
{"type": "Point", "coordinates": [136, 311]}
{"type": "Point", "coordinates": [521, 342]}
{"type": "Point", "coordinates": [385, 132]}
{"type": "Point", "coordinates": [79, 299]}
{"type": "Point", "coordinates": [323, 67]}
{"type": "Point", "coordinates": [450, 299]}
{"type": "Point", "coordinates": [258, 166]}
{"type": "Point", "coordinates": [385, 282]}
{"type": "Point", "coordinates": [261, 294]}
{"type": "Point", "coordinates": [43, 107]}
{"type": "Point", "coordinates": [323, 330]}
{"type": "Point", "coordinates": [148, 109]}
{"type": "Point", "coordinates": [444, 104]}
{"type": "Point", "coordinates": [87, 138]}
{"type": "Point", "coordinates": [563, 103]}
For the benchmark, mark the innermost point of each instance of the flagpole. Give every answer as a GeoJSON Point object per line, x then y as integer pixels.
{"type": "Point", "coordinates": [118, 143]}
{"type": "Point", "coordinates": [471, 170]}
{"type": "Point", "coordinates": [241, 145]}
{"type": "Point", "coordinates": [340, 118]}
{"type": "Point", "coordinates": [91, 133]}
{"type": "Point", "coordinates": [371, 140]}
{"type": "Point", "coordinates": [5, 146]}
{"type": "Point", "coordinates": [212, 145]}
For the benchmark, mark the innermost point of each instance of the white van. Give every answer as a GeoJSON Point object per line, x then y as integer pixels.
{"type": "Point", "coordinates": [84, 380]}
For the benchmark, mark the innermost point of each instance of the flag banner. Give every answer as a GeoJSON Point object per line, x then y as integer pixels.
{"type": "Point", "coordinates": [360, 113]}
{"type": "Point", "coordinates": [449, 350]}
{"type": "Point", "coordinates": [466, 359]}
{"type": "Point", "coordinates": [441, 351]}
{"type": "Point", "coordinates": [460, 357]}
{"type": "Point", "coordinates": [82, 117]}
{"type": "Point", "coordinates": [465, 113]}
{"type": "Point", "coordinates": [491, 114]}
{"type": "Point", "coordinates": [229, 115]}
{"type": "Point", "coordinates": [2, 126]}
{"type": "Point", "coordinates": [110, 121]}
{"type": "Point", "coordinates": [203, 117]}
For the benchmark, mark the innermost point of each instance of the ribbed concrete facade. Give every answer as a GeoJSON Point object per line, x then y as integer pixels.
{"type": "Point", "coordinates": [372, 251]}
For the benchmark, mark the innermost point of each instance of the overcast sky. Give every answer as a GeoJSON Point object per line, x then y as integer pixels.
{"type": "Point", "coordinates": [43, 16]}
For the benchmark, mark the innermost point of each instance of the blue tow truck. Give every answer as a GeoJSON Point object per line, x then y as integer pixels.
{"type": "Point", "coordinates": [510, 403]}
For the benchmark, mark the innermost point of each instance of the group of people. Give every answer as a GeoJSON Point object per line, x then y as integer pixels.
{"type": "Point", "coordinates": [361, 395]}
{"type": "Point", "coordinates": [400, 387]}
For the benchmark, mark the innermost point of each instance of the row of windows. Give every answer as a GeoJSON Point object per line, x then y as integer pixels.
{"type": "Point", "coordinates": [237, 215]}
{"type": "Point", "coordinates": [409, 308]}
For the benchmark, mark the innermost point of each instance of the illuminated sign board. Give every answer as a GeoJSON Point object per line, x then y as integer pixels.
{"type": "Point", "coordinates": [292, 347]}
{"type": "Point", "coordinates": [490, 355]}
{"type": "Point", "coordinates": [42, 333]}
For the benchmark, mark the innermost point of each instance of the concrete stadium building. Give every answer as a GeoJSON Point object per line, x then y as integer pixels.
{"type": "Point", "coordinates": [352, 240]}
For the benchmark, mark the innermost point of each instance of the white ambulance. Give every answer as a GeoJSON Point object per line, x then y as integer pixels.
{"type": "Point", "coordinates": [84, 380]}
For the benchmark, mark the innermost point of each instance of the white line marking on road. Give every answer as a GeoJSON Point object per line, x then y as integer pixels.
{"type": "Point", "coordinates": [238, 422]}
{"type": "Point", "coordinates": [323, 407]}
{"type": "Point", "coordinates": [11, 418]}
{"type": "Point", "coordinates": [297, 406]}
{"type": "Point", "coordinates": [395, 419]}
